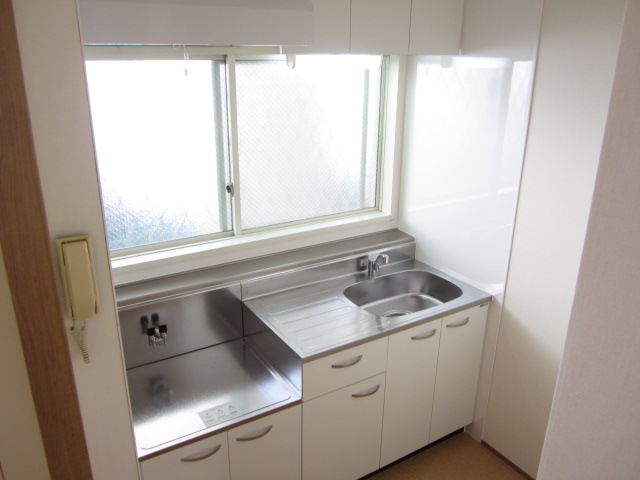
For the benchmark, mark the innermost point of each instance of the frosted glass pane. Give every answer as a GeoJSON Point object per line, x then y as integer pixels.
{"type": "Point", "coordinates": [160, 135]}
{"type": "Point", "coordinates": [307, 137]}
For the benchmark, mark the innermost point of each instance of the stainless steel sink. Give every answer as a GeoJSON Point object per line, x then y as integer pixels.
{"type": "Point", "coordinates": [402, 293]}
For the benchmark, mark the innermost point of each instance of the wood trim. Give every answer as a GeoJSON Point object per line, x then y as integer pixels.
{"type": "Point", "coordinates": [506, 460]}
{"type": "Point", "coordinates": [27, 252]}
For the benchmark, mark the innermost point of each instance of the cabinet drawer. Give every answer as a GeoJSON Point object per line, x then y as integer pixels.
{"type": "Point", "coordinates": [343, 368]}
{"type": "Point", "coordinates": [206, 459]}
{"type": "Point", "coordinates": [268, 448]}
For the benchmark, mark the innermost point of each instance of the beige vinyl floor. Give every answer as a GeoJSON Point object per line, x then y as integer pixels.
{"type": "Point", "coordinates": [457, 458]}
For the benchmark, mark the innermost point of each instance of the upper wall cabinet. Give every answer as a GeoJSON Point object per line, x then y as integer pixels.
{"type": "Point", "coordinates": [332, 28]}
{"type": "Point", "coordinates": [197, 22]}
{"type": "Point", "coordinates": [436, 27]}
{"type": "Point", "coordinates": [417, 27]}
{"type": "Point", "coordinates": [380, 26]}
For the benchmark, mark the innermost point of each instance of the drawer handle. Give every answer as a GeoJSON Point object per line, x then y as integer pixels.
{"type": "Point", "coordinates": [366, 393]}
{"type": "Point", "coordinates": [425, 336]}
{"type": "Point", "coordinates": [462, 322]}
{"type": "Point", "coordinates": [347, 363]}
{"type": "Point", "coordinates": [201, 456]}
{"type": "Point", "coordinates": [255, 436]}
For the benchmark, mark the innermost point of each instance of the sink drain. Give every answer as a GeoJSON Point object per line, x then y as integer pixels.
{"type": "Point", "coordinates": [396, 313]}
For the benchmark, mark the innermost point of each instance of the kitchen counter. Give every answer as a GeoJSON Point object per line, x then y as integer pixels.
{"type": "Point", "coordinates": [316, 319]}
{"type": "Point", "coordinates": [236, 348]}
{"type": "Point", "coordinates": [203, 392]}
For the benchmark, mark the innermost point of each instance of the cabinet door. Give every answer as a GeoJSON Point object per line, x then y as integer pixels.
{"type": "Point", "coordinates": [342, 431]}
{"type": "Point", "coordinates": [332, 28]}
{"type": "Point", "coordinates": [380, 26]}
{"type": "Point", "coordinates": [268, 448]}
{"type": "Point", "coordinates": [436, 27]}
{"type": "Point", "coordinates": [206, 459]}
{"type": "Point", "coordinates": [461, 342]}
{"type": "Point", "coordinates": [408, 399]}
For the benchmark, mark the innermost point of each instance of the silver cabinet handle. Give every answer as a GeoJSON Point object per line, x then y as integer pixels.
{"type": "Point", "coordinates": [347, 363]}
{"type": "Point", "coordinates": [366, 393]}
{"type": "Point", "coordinates": [201, 456]}
{"type": "Point", "coordinates": [425, 335]}
{"type": "Point", "coordinates": [255, 436]}
{"type": "Point", "coordinates": [462, 322]}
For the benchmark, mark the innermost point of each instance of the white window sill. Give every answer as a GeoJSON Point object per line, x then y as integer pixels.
{"type": "Point", "coordinates": [146, 266]}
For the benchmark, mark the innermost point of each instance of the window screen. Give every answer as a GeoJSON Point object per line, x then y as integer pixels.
{"type": "Point", "coordinates": [308, 141]}
{"type": "Point", "coordinates": [161, 143]}
{"type": "Point", "coordinates": [307, 137]}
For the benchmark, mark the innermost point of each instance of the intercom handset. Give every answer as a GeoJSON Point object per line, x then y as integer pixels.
{"type": "Point", "coordinates": [75, 258]}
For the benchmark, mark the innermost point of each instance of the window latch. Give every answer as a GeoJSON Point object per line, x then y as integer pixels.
{"type": "Point", "coordinates": [229, 189]}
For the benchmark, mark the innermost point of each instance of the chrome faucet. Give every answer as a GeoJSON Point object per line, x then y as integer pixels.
{"type": "Point", "coordinates": [374, 267]}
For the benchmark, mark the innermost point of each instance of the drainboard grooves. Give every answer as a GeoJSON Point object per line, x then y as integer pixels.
{"type": "Point", "coordinates": [316, 321]}
{"type": "Point", "coordinates": [295, 314]}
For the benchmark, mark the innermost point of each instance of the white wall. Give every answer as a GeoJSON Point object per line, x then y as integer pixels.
{"type": "Point", "coordinates": [54, 77]}
{"type": "Point", "coordinates": [573, 84]}
{"type": "Point", "coordinates": [578, 47]}
{"type": "Point", "coordinates": [51, 54]}
{"type": "Point", "coordinates": [465, 133]}
{"type": "Point", "coordinates": [21, 449]}
{"type": "Point", "coordinates": [594, 425]}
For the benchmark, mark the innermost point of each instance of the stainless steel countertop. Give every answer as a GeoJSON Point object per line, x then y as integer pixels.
{"type": "Point", "coordinates": [154, 290]}
{"type": "Point", "coordinates": [189, 396]}
{"type": "Point", "coordinates": [316, 319]}
{"type": "Point", "coordinates": [181, 399]}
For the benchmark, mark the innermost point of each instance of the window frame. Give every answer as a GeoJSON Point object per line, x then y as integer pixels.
{"type": "Point", "coordinates": [168, 258]}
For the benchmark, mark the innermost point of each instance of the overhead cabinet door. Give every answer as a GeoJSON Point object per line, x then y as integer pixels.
{"type": "Point", "coordinates": [332, 28]}
{"type": "Point", "coordinates": [380, 26]}
{"type": "Point", "coordinates": [436, 27]}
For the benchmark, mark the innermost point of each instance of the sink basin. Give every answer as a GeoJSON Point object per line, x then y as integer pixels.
{"type": "Point", "coordinates": [402, 293]}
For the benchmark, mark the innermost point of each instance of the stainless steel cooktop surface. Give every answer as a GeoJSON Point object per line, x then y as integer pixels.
{"type": "Point", "coordinates": [200, 390]}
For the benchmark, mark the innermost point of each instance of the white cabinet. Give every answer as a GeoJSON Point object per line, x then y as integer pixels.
{"type": "Point", "coordinates": [363, 407]}
{"type": "Point", "coordinates": [206, 459]}
{"type": "Point", "coordinates": [459, 359]}
{"type": "Point", "coordinates": [342, 431]}
{"type": "Point", "coordinates": [410, 382]}
{"type": "Point", "coordinates": [436, 27]}
{"type": "Point", "coordinates": [343, 368]}
{"type": "Point", "coordinates": [417, 27]}
{"type": "Point", "coordinates": [268, 448]}
{"type": "Point", "coordinates": [343, 399]}
{"type": "Point", "coordinates": [332, 26]}
{"type": "Point", "coordinates": [380, 26]}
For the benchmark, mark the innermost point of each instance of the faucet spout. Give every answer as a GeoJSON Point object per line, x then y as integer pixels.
{"type": "Point", "coordinates": [381, 259]}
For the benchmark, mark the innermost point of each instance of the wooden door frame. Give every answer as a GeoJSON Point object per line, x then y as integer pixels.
{"type": "Point", "coordinates": [27, 252]}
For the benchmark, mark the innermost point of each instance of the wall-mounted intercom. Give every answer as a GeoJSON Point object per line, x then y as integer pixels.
{"type": "Point", "coordinates": [75, 258]}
